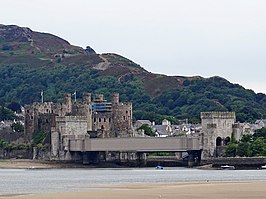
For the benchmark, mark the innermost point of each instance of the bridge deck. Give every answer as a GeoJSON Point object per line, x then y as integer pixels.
{"type": "Point", "coordinates": [138, 144]}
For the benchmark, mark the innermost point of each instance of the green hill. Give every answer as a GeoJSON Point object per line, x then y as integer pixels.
{"type": "Point", "coordinates": [31, 62]}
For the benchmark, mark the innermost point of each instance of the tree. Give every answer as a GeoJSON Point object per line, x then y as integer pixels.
{"type": "Point", "coordinates": [17, 127]}
{"type": "Point", "coordinates": [231, 150]}
{"type": "Point", "coordinates": [246, 138]}
{"type": "Point", "coordinates": [39, 137]}
{"type": "Point", "coordinates": [6, 114]}
{"type": "Point", "coordinates": [14, 106]}
{"type": "Point", "coordinates": [147, 130]}
{"type": "Point", "coordinates": [244, 149]}
{"type": "Point", "coordinates": [258, 147]}
{"type": "Point", "coordinates": [260, 133]}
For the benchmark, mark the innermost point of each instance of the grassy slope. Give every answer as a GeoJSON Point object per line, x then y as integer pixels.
{"type": "Point", "coordinates": [51, 64]}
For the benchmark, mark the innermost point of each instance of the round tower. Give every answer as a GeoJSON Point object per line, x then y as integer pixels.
{"type": "Point", "coordinates": [99, 98]}
{"type": "Point", "coordinates": [115, 98]}
{"type": "Point", "coordinates": [86, 97]}
{"type": "Point", "coordinates": [67, 102]}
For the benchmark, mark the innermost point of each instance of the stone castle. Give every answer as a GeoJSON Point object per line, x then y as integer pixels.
{"type": "Point", "coordinates": [98, 118]}
{"type": "Point", "coordinates": [94, 118]}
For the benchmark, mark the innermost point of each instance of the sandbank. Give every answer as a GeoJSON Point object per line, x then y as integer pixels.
{"type": "Point", "coordinates": [199, 190]}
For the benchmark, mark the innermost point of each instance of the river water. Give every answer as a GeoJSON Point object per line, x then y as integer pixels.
{"type": "Point", "coordinates": [27, 181]}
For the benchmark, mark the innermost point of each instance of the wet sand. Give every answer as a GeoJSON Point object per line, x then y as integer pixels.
{"type": "Point", "coordinates": [25, 164]}
{"type": "Point", "coordinates": [37, 164]}
{"type": "Point", "coordinates": [199, 190]}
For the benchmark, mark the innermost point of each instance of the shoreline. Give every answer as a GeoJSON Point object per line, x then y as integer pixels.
{"type": "Point", "coordinates": [186, 190]}
{"type": "Point", "coordinates": [47, 164]}
{"type": "Point", "coordinates": [36, 164]}
{"type": "Point", "coordinates": [53, 164]}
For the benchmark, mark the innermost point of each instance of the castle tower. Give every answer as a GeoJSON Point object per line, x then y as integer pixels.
{"type": "Point", "coordinates": [30, 121]}
{"type": "Point", "coordinates": [237, 131]}
{"type": "Point", "coordinates": [115, 98]}
{"type": "Point", "coordinates": [122, 120]}
{"type": "Point", "coordinates": [88, 109]}
{"type": "Point", "coordinates": [99, 98]}
{"type": "Point", "coordinates": [217, 128]}
{"type": "Point", "coordinates": [67, 102]}
{"type": "Point", "coordinates": [87, 97]}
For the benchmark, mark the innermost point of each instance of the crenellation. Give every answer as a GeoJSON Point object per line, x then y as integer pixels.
{"type": "Point", "coordinates": [218, 115]}
{"type": "Point", "coordinates": [86, 97]}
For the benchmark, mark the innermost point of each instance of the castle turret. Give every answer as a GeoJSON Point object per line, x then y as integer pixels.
{"type": "Point", "coordinates": [99, 98]}
{"type": "Point", "coordinates": [122, 119]}
{"type": "Point", "coordinates": [115, 99]}
{"type": "Point", "coordinates": [67, 102]}
{"type": "Point", "coordinates": [30, 120]}
{"type": "Point", "coordinates": [87, 97]}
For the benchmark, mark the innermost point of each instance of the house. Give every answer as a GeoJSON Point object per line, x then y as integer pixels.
{"type": "Point", "coordinates": [139, 123]}
{"type": "Point", "coordinates": [163, 130]}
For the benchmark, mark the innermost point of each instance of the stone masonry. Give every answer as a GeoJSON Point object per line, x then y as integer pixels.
{"type": "Point", "coordinates": [217, 129]}
{"type": "Point", "coordinates": [89, 118]}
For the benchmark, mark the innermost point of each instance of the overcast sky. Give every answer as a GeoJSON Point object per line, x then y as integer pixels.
{"type": "Point", "coordinates": [174, 37]}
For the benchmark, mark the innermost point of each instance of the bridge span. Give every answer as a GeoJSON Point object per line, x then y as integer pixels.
{"type": "Point", "coordinates": [135, 144]}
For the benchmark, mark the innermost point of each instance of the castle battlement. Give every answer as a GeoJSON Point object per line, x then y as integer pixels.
{"type": "Point", "coordinates": [126, 103]}
{"type": "Point", "coordinates": [88, 116]}
{"type": "Point", "coordinates": [39, 104]}
{"type": "Point", "coordinates": [71, 118]}
{"type": "Point", "coordinates": [218, 115]}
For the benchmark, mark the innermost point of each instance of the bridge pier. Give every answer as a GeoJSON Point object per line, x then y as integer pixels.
{"type": "Point", "coordinates": [68, 156]}
{"type": "Point", "coordinates": [90, 157]}
{"type": "Point", "coordinates": [77, 156]}
{"type": "Point", "coordinates": [178, 155]}
{"type": "Point", "coordinates": [194, 158]}
{"type": "Point", "coordinates": [141, 158]}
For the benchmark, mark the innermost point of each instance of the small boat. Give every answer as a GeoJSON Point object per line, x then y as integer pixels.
{"type": "Point", "coordinates": [158, 167]}
{"type": "Point", "coordinates": [227, 167]}
{"type": "Point", "coordinates": [263, 167]}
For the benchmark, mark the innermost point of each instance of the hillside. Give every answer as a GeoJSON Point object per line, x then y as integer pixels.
{"type": "Point", "coordinates": [32, 61]}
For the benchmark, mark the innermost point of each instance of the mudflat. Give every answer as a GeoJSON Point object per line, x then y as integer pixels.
{"type": "Point", "coordinates": [25, 164]}
{"type": "Point", "coordinates": [199, 190]}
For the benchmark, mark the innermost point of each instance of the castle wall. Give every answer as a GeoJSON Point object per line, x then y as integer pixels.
{"type": "Point", "coordinates": [102, 120]}
{"type": "Point", "coordinates": [84, 109]}
{"type": "Point", "coordinates": [66, 128]}
{"type": "Point", "coordinates": [41, 116]}
{"type": "Point", "coordinates": [72, 125]}
{"type": "Point", "coordinates": [97, 118]}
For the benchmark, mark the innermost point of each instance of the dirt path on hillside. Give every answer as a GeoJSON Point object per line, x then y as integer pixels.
{"type": "Point", "coordinates": [103, 65]}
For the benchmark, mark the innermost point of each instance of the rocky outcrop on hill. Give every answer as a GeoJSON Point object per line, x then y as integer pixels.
{"type": "Point", "coordinates": [14, 33]}
{"type": "Point", "coordinates": [35, 42]}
